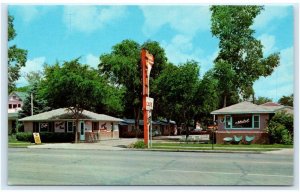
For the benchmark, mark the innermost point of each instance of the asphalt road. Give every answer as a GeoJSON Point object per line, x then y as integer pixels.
{"type": "Point", "coordinates": [100, 167]}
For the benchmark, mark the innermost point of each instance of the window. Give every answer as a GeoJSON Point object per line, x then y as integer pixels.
{"type": "Point", "coordinates": [44, 127]}
{"type": "Point", "coordinates": [10, 106]}
{"type": "Point", "coordinates": [242, 121]}
{"type": "Point", "coordinates": [19, 105]}
{"type": "Point", "coordinates": [14, 106]}
{"type": "Point", "coordinates": [256, 121]}
{"type": "Point", "coordinates": [95, 126]}
{"type": "Point", "coordinates": [227, 121]}
{"type": "Point", "coordinates": [70, 126]}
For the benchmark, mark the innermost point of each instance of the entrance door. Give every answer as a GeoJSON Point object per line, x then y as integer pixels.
{"type": "Point", "coordinates": [82, 132]}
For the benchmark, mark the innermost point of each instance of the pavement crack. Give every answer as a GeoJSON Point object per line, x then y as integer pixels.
{"type": "Point", "coordinates": [243, 176]}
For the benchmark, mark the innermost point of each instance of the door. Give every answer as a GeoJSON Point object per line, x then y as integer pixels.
{"type": "Point", "coordinates": [82, 132]}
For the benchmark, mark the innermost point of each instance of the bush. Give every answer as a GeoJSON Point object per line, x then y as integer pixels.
{"type": "Point", "coordinates": [47, 137]}
{"type": "Point", "coordinates": [280, 128]}
{"type": "Point", "coordinates": [139, 145]}
{"type": "Point", "coordinates": [25, 136]}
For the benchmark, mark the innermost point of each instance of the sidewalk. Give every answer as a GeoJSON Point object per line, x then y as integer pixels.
{"type": "Point", "coordinates": [118, 144]}
{"type": "Point", "coordinates": [121, 144]}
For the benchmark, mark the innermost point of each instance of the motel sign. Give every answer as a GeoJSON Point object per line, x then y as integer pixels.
{"type": "Point", "coordinates": [147, 61]}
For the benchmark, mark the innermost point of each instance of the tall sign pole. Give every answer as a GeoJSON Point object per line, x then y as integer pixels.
{"type": "Point", "coordinates": [147, 60]}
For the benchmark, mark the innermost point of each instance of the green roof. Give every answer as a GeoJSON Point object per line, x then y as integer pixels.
{"type": "Point", "coordinates": [12, 116]}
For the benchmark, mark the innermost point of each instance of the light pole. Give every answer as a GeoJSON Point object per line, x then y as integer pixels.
{"type": "Point", "coordinates": [213, 135]}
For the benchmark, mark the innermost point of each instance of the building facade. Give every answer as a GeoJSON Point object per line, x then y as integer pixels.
{"type": "Point", "coordinates": [91, 126]}
{"type": "Point", "coordinates": [246, 119]}
{"type": "Point", "coordinates": [15, 104]}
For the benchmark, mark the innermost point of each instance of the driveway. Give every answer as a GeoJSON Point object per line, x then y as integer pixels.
{"type": "Point", "coordinates": [118, 144]}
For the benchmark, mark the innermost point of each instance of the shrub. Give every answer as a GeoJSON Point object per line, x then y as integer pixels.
{"type": "Point", "coordinates": [46, 137]}
{"type": "Point", "coordinates": [49, 137]}
{"type": "Point", "coordinates": [25, 136]}
{"type": "Point", "coordinates": [280, 128]}
{"type": "Point", "coordinates": [139, 145]}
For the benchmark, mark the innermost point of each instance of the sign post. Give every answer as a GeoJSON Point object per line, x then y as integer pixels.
{"type": "Point", "coordinates": [147, 60]}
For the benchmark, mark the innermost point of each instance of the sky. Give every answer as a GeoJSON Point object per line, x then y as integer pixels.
{"type": "Point", "coordinates": [61, 33]}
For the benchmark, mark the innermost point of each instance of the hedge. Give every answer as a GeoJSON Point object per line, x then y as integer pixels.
{"type": "Point", "coordinates": [47, 137]}
{"type": "Point", "coordinates": [25, 136]}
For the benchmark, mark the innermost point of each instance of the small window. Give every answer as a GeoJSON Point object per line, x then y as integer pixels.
{"type": "Point", "coordinates": [19, 105]}
{"type": "Point", "coordinates": [44, 127]}
{"type": "Point", "coordinates": [10, 106]}
{"type": "Point", "coordinates": [70, 126]}
{"type": "Point", "coordinates": [256, 121]}
{"type": "Point", "coordinates": [228, 122]}
{"type": "Point", "coordinates": [14, 106]}
{"type": "Point", "coordinates": [95, 126]}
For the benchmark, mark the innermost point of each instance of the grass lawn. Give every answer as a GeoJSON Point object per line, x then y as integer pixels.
{"type": "Point", "coordinates": [231, 147]}
{"type": "Point", "coordinates": [223, 145]}
{"type": "Point", "coordinates": [13, 142]}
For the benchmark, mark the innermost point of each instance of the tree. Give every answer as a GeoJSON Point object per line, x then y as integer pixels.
{"type": "Point", "coordinates": [239, 48]}
{"type": "Point", "coordinates": [122, 68]}
{"type": "Point", "coordinates": [262, 100]}
{"type": "Point", "coordinates": [74, 86]}
{"type": "Point", "coordinates": [16, 57]}
{"type": "Point", "coordinates": [177, 88]}
{"type": "Point", "coordinates": [224, 73]}
{"type": "Point", "coordinates": [287, 100]}
{"type": "Point", "coordinates": [208, 97]}
{"type": "Point", "coordinates": [40, 105]}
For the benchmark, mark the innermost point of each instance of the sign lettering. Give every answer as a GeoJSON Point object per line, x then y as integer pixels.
{"type": "Point", "coordinates": [242, 121]}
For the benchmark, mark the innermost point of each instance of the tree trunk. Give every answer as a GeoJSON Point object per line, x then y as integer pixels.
{"type": "Point", "coordinates": [224, 102]}
{"type": "Point", "coordinates": [136, 121]}
{"type": "Point", "coordinates": [76, 130]}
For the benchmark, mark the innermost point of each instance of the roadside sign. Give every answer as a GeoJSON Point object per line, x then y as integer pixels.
{"type": "Point", "coordinates": [37, 138]}
{"type": "Point", "coordinates": [149, 103]}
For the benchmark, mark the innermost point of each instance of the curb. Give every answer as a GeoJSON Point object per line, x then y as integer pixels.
{"type": "Point", "coordinates": [198, 151]}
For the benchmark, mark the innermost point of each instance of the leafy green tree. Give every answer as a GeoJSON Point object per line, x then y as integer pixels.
{"type": "Point", "coordinates": [22, 89]}
{"type": "Point", "coordinates": [177, 87]}
{"type": "Point", "coordinates": [239, 48]}
{"type": "Point", "coordinates": [16, 57]}
{"type": "Point", "coordinates": [208, 97]}
{"type": "Point", "coordinates": [262, 100]}
{"type": "Point", "coordinates": [287, 100]}
{"type": "Point", "coordinates": [40, 105]}
{"type": "Point", "coordinates": [76, 87]}
{"type": "Point", "coordinates": [122, 67]}
{"type": "Point", "coordinates": [225, 74]}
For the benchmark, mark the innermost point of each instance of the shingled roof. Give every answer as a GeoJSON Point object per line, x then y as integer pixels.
{"type": "Point", "coordinates": [247, 107]}
{"type": "Point", "coordinates": [64, 113]}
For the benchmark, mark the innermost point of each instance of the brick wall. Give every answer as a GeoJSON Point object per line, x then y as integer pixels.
{"type": "Point", "coordinates": [28, 127]}
{"type": "Point", "coordinates": [260, 137]}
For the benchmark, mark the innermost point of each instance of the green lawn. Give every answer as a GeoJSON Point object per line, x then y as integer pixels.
{"type": "Point", "coordinates": [13, 142]}
{"type": "Point", "coordinates": [174, 148]}
{"type": "Point", "coordinates": [238, 147]}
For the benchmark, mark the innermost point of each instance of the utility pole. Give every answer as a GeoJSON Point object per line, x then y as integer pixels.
{"type": "Point", "coordinates": [31, 104]}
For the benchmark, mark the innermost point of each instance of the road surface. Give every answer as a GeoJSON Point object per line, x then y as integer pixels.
{"type": "Point", "coordinates": [128, 167]}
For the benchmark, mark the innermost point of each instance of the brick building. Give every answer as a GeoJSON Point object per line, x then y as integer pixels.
{"type": "Point", "coordinates": [246, 119]}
